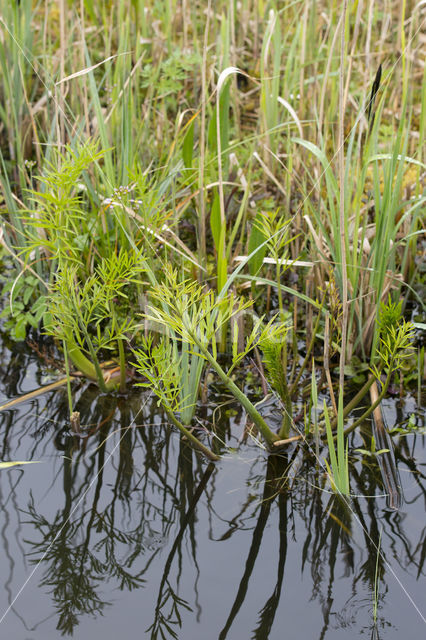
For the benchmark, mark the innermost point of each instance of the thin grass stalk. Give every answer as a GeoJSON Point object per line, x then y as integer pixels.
{"type": "Point", "coordinates": [342, 217]}
{"type": "Point", "coordinates": [122, 363]}
{"type": "Point", "coordinates": [95, 361]}
{"type": "Point", "coordinates": [403, 52]}
{"type": "Point", "coordinates": [82, 48]}
{"type": "Point", "coordinates": [377, 580]}
{"type": "Point", "coordinates": [202, 195]}
{"type": "Point", "coordinates": [306, 359]}
{"type": "Point", "coordinates": [383, 255]}
{"type": "Point", "coordinates": [314, 406]}
{"type": "Point", "coordinates": [324, 89]}
{"type": "Point", "coordinates": [67, 371]}
{"type": "Point", "coordinates": [61, 100]}
{"type": "Point", "coordinates": [421, 373]}
{"type": "Point", "coordinates": [375, 404]}
{"type": "Point", "coordinates": [326, 365]}
{"type": "Point", "coordinates": [221, 250]}
{"type": "Point", "coordinates": [270, 80]}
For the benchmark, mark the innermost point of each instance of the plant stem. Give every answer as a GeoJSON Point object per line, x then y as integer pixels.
{"type": "Point", "coordinates": [122, 360]}
{"type": "Point", "coordinates": [199, 445]}
{"type": "Point", "coordinates": [67, 369]}
{"type": "Point", "coordinates": [285, 427]}
{"type": "Point", "coordinates": [342, 220]}
{"type": "Point", "coordinates": [308, 353]}
{"type": "Point", "coordinates": [280, 293]}
{"type": "Point", "coordinates": [99, 374]}
{"type": "Point", "coordinates": [202, 251]}
{"type": "Point", "coordinates": [80, 361]}
{"type": "Point", "coordinates": [355, 400]}
{"type": "Point", "coordinates": [269, 436]}
{"type": "Point", "coordinates": [373, 406]}
{"type": "Point", "coordinates": [84, 365]}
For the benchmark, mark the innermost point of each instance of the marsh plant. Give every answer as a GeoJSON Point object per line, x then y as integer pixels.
{"type": "Point", "coordinates": [395, 347]}
{"type": "Point", "coordinates": [196, 316]}
{"type": "Point", "coordinates": [135, 170]}
{"type": "Point", "coordinates": [94, 316]}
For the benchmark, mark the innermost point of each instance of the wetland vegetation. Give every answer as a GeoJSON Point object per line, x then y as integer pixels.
{"type": "Point", "coordinates": [213, 247]}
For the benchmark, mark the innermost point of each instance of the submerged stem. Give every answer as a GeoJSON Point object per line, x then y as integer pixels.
{"type": "Point", "coordinates": [373, 406]}
{"type": "Point", "coordinates": [187, 433]}
{"type": "Point", "coordinates": [67, 370]}
{"type": "Point", "coordinates": [269, 436]}
{"type": "Point", "coordinates": [122, 361]}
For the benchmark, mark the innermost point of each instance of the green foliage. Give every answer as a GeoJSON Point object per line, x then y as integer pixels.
{"type": "Point", "coordinates": [104, 216]}
{"type": "Point", "coordinates": [170, 74]}
{"type": "Point", "coordinates": [193, 313]}
{"type": "Point", "coordinates": [390, 316]}
{"type": "Point", "coordinates": [163, 370]}
{"type": "Point", "coordinates": [256, 239]}
{"type": "Point", "coordinates": [188, 146]}
{"type": "Point", "coordinates": [25, 308]}
{"type": "Point", "coordinates": [272, 359]}
{"type": "Point", "coordinates": [373, 451]}
{"type": "Point", "coordinates": [273, 226]}
{"type": "Point", "coordinates": [76, 306]}
{"type": "Point", "coordinates": [413, 426]}
{"type": "Point", "coordinates": [396, 337]}
{"type": "Point", "coordinates": [338, 472]}
{"type": "Point", "coordinates": [57, 226]}
{"type": "Point", "coordinates": [196, 315]}
{"type": "Point", "coordinates": [93, 315]}
{"type": "Point", "coordinates": [159, 364]}
{"type": "Point", "coordinates": [215, 222]}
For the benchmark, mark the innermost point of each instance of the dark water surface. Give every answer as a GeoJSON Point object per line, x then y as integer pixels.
{"type": "Point", "coordinates": [126, 533]}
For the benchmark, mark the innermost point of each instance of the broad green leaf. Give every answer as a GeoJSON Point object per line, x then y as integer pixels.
{"type": "Point", "coordinates": [21, 328]}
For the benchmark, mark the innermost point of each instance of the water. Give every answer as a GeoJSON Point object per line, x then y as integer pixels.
{"type": "Point", "coordinates": [124, 531]}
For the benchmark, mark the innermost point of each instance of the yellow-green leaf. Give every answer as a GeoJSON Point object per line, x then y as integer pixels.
{"type": "Point", "coordinates": [6, 465]}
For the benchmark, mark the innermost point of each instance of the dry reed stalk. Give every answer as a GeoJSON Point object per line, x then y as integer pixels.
{"type": "Point", "coordinates": [83, 64]}
{"type": "Point", "coordinates": [352, 53]}
{"type": "Point", "coordinates": [324, 82]}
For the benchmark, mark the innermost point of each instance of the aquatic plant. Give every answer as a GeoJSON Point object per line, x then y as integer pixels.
{"type": "Point", "coordinates": [338, 470]}
{"type": "Point", "coordinates": [197, 316]}
{"type": "Point", "coordinates": [89, 317]}
{"type": "Point", "coordinates": [163, 369]}
{"type": "Point", "coordinates": [128, 151]}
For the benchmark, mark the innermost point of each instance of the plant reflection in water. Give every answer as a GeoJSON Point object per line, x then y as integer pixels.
{"type": "Point", "coordinates": [154, 500]}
